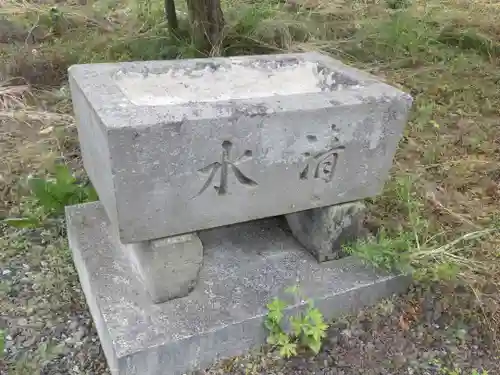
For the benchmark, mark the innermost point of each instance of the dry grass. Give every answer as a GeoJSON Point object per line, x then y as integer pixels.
{"type": "Point", "coordinates": [32, 138]}
{"type": "Point", "coordinates": [446, 53]}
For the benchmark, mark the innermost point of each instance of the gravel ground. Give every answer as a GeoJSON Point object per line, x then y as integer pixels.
{"type": "Point", "coordinates": [49, 330]}
{"type": "Point", "coordinates": [380, 340]}
{"type": "Point", "coordinates": [48, 327]}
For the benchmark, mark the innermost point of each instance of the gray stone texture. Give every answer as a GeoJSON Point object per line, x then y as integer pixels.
{"type": "Point", "coordinates": [168, 267]}
{"type": "Point", "coordinates": [324, 230]}
{"type": "Point", "coordinates": [251, 142]}
{"type": "Point", "coordinates": [245, 266]}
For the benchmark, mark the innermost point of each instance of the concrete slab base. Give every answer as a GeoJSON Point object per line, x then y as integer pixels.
{"type": "Point", "coordinates": [245, 266]}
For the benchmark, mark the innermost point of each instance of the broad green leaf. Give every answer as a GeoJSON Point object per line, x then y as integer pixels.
{"type": "Point", "coordinates": [275, 316]}
{"type": "Point", "coordinates": [38, 186]}
{"type": "Point", "coordinates": [283, 338]}
{"type": "Point", "coordinates": [316, 333]}
{"type": "Point", "coordinates": [288, 350]}
{"type": "Point", "coordinates": [91, 194]}
{"type": "Point", "coordinates": [63, 175]}
{"type": "Point", "coordinates": [322, 326]}
{"type": "Point", "coordinates": [269, 324]}
{"type": "Point", "coordinates": [63, 190]}
{"type": "Point", "coordinates": [315, 315]}
{"type": "Point", "coordinates": [292, 289]}
{"type": "Point", "coordinates": [314, 345]}
{"type": "Point", "coordinates": [22, 222]}
{"type": "Point", "coordinates": [297, 323]}
{"type": "Point", "coordinates": [308, 330]}
{"type": "Point", "coordinates": [276, 305]}
{"type": "Point", "coordinates": [272, 340]}
{"type": "Point", "coordinates": [41, 189]}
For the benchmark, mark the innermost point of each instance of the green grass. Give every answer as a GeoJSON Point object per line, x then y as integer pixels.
{"type": "Point", "coordinates": [418, 249]}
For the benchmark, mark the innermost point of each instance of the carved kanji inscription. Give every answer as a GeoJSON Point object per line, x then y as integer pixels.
{"type": "Point", "coordinates": [223, 167]}
{"type": "Point", "coordinates": [322, 165]}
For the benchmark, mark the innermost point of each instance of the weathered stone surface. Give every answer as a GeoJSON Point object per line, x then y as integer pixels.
{"type": "Point", "coordinates": [168, 267]}
{"type": "Point", "coordinates": [324, 230]}
{"type": "Point", "coordinates": [245, 266]}
{"type": "Point", "coordinates": [178, 146]}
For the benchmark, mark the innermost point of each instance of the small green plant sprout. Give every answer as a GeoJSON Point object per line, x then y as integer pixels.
{"type": "Point", "coordinates": [306, 330]}
{"type": "Point", "coordinates": [48, 196]}
{"type": "Point", "coordinates": [2, 343]}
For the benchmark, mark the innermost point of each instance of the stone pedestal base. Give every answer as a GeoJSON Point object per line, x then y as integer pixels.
{"type": "Point", "coordinates": [245, 266]}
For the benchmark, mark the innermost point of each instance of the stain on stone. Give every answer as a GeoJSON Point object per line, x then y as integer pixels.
{"type": "Point", "coordinates": [176, 125]}
{"type": "Point", "coordinates": [145, 72]}
{"type": "Point", "coordinates": [303, 174]}
{"type": "Point", "coordinates": [330, 80]}
{"type": "Point", "coordinates": [196, 111]}
{"type": "Point", "coordinates": [374, 99]}
{"type": "Point", "coordinates": [238, 110]}
{"type": "Point", "coordinates": [312, 138]}
{"type": "Point", "coordinates": [335, 132]}
{"type": "Point", "coordinates": [272, 64]}
{"type": "Point", "coordinates": [257, 110]}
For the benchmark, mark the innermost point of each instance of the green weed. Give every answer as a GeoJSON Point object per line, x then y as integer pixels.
{"type": "Point", "coordinates": [411, 249]}
{"type": "Point", "coordinates": [49, 197]}
{"type": "Point", "coordinates": [308, 329]}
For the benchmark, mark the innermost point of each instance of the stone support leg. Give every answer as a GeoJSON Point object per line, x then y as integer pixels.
{"type": "Point", "coordinates": [168, 267]}
{"type": "Point", "coordinates": [323, 231]}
